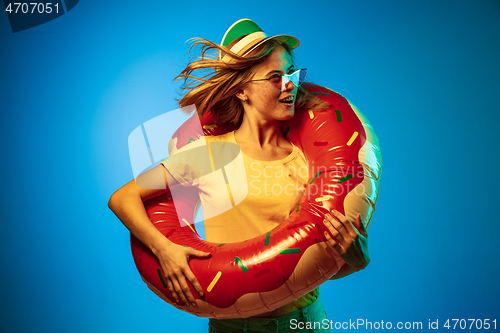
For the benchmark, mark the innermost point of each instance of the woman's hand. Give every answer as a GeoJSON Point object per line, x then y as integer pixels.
{"type": "Point", "coordinates": [174, 264]}
{"type": "Point", "coordinates": [349, 241]}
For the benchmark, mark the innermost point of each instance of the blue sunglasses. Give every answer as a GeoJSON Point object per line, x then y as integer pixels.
{"type": "Point", "coordinates": [279, 81]}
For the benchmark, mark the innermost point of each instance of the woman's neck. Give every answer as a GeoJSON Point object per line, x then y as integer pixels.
{"type": "Point", "coordinates": [260, 134]}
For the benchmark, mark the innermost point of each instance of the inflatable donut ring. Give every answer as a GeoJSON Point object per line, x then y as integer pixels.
{"type": "Point", "coordinates": [261, 274]}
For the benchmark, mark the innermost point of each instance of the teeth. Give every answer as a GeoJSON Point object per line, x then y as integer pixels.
{"type": "Point", "coordinates": [289, 99]}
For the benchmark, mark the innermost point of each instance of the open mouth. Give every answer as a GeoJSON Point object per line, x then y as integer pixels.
{"type": "Point", "coordinates": [287, 100]}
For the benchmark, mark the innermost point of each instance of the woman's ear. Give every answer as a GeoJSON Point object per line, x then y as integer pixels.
{"type": "Point", "coordinates": [241, 94]}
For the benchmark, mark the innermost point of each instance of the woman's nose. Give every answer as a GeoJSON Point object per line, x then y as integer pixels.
{"type": "Point", "coordinates": [287, 85]}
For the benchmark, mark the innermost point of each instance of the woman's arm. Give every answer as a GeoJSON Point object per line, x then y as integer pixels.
{"type": "Point", "coordinates": [127, 204]}
{"type": "Point", "coordinates": [343, 272]}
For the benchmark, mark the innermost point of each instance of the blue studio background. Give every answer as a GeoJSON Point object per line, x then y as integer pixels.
{"type": "Point", "coordinates": [426, 73]}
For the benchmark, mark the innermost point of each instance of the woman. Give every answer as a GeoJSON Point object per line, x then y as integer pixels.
{"type": "Point", "coordinates": [253, 85]}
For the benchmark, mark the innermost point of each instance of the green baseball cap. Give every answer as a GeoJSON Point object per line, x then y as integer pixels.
{"type": "Point", "coordinates": [245, 35]}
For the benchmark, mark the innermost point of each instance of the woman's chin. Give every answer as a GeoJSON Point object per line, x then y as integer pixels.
{"type": "Point", "coordinates": [289, 114]}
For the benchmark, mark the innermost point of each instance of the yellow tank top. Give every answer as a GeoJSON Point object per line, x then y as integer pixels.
{"type": "Point", "coordinates": [241, 197]}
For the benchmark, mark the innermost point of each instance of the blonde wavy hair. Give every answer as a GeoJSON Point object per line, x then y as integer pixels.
{"type": "Point", "coordinates": [216, 87]}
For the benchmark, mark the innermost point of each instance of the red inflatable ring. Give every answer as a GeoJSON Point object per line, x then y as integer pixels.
{"type": "Point", "coordinates": [261, 274]}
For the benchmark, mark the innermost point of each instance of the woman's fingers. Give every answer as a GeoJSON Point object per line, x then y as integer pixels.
{"type": "Point", "coordinates": [185, 290]}
{"type": "Point", "coordinates": [180, 287]}
{"type": "Point", "coordinates": [349, 227]}
{"type": "Point", "coordinates": [182, 273]}
{"type": "Point", "coordinates": [189, 274]}
{"type": "Point", "coordinates": [198, 254]}
{"type": "Point", "coordinates": [333, 231]}
{"type": "Point", "coordinates": [179, 291]}
{"type": "Point", "coordinates": [171, 288]}
{"type": "Point", "coordinates": [194, 281]}
{"type": "Point", "coordinates": [336, 228]}
{"type": "Point", "coordinates": [333, 243]}
{"type": "Point", "coordinates": [329, 248]}
{"type": "Point", "coordinates": [174, 262]}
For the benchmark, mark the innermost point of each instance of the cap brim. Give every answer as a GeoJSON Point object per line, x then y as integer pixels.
{"type": "Point", "coordinates": [291, 41]}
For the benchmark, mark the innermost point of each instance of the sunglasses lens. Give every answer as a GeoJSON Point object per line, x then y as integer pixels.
{"type": "Point", "coordinates": [297, 78]}
{"type": "Point", "coordinates": [285, 79]}
{"type": "Point", "coordinates": [302, 76]}
{"type": "Point", "coordinates": [276, 81]}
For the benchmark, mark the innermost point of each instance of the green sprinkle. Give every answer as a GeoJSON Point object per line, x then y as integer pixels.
{"type": "Point", "coordinates": [288, 251]}
{"type": "Point", "coordinates": [221, 244]}
{"type": "Point", "coordinates": [297, 207]}
{"type": "Point", "coordinates": [267, 238]}
{"type": "Point", "coordinates": [161, 278]}
{"type": "Point", "coordinates": [190, 140]}
{"type": "Point", "coordinates": [339, 116]}
{"type": "Point", "coordinates": [286, 131]}
{"type": "Point", "coordinates": [319, 173]}
{"type": "Point", "coordinates": [343, 179]}
{"type": "Point", "coordinates": [240, 263]}
{"type": "Point", "coordinates": [326, 94]}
